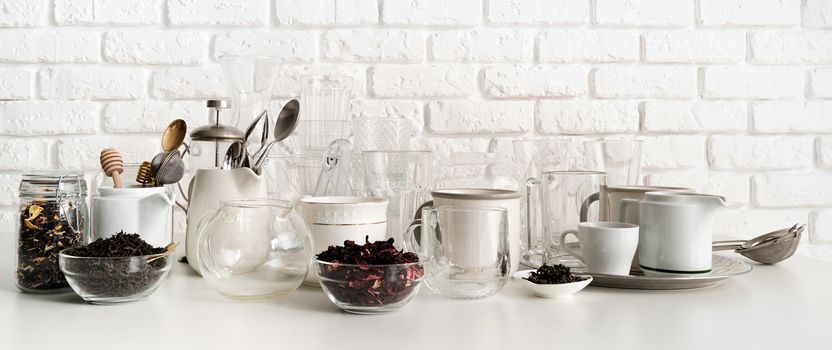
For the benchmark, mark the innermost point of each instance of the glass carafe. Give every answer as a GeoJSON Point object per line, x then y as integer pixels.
{"type": "Point", "coordinates": [254, 248]}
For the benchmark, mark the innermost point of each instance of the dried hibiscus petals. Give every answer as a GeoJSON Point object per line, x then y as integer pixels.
{"type": "Point", "coordinates": [372, 274]}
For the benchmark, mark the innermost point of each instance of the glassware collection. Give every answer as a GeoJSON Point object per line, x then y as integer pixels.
{"type": "Point", "coordinates": [349, 207]}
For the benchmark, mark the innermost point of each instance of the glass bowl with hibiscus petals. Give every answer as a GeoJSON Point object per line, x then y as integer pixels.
{"type": "Point", "coordinates": [370, 278]}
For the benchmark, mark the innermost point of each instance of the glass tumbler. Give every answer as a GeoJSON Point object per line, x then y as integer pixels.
{"type": "Point", "coordinates": [253, 248]}
{"type": "Point", "coordinates": [404, 179]}
{"type": "Point", "coordinates": [325, 97]}
{"type": "Point", "coordinates": [315, 136]}
{"type": "Point", "coordinates": [564, 197]}
{"type": "Point", "coordinates": [373, 134]}
{"type": "Point", "coordinates": [620, 159]}
{"type": "Point", "coordinates": [467, 247]}
{"type": "Point", "coordinates": [251, 79]}
{"type": "Point", "coordinates": [292, 176]}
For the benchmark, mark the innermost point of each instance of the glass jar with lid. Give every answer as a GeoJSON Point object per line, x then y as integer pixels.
{"type": "Point", "coordinates": [53, 216]}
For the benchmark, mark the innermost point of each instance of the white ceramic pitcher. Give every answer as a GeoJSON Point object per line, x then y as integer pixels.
{"type": "Point", "coordinates": [207, 189]}
{"type": "Point", "coordinates": [146, 211]}
{"type": "Point", "coordinates": [676, 231]}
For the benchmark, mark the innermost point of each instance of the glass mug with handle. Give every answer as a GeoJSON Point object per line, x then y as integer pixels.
{"type": "Point", "coordinates": [467, 247]}
{"type": "Point", "coordinates": [561, 197]}
{"type": "Point", "coordinates": [484, 197]}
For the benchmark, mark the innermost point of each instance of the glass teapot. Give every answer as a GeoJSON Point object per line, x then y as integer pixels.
{"type": "Point", "coordinates": [253, 248]}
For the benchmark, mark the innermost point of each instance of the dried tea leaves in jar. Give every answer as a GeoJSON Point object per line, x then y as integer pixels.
{"type": "Point", "coordinates": [557, 274]}
{"type": "Point", "coordinates": [44, 231]}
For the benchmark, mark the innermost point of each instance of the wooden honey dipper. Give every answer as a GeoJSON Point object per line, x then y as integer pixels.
{"type": "Point", "coordinates": [113, 165]}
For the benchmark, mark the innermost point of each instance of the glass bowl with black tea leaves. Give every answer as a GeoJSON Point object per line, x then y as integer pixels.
{"type": "Point", "coordinates": [369, 278]}
{"type": "Point", "coordinates": [117, 269]}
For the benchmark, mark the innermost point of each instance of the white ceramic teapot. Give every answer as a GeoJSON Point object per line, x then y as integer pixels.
{"type": "Point", "coordinates": [676, 231]}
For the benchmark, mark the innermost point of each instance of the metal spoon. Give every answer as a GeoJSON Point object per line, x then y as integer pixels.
{"type": "Point", "coordinates": [174, 135]}
{"type": "Point", "coordinates": [245, 160]}
{"type": "Point", "coordinates": [286, 123]}
{"type": "Point", "coordinates": [232, 156]}
{"type": "Point", "coordinates": [171, 170]}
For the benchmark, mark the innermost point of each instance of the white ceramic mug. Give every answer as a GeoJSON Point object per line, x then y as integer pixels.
{"type": "Point", "coordinates": [333, 220]}
{"type": "Point", "coordinates": [146, 211]}
{"type": "Point", "coordinates": [485, 197]}
{"type": "Point", "coordinates": [606, 247]}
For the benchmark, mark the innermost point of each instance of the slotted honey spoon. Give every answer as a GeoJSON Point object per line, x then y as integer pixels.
{"type": "Point", "coordinates": [770, 248]}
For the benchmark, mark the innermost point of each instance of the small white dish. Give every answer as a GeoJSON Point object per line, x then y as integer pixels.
{"type": "Point", "coordinates": [551, 291]}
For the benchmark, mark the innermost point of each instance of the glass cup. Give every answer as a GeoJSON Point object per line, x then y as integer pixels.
{"type": "Point", "coordinates": [251, 79]}
{"type": "Point", "coordinates": [325, 97]}
{"type": "Point", "coordinates": [561, 201]}
{"type": "Point", "coordinates": [620, 159]}
{"type": "Point", "coordinates": [404, 179]}
{"type": "Point", "coordinates": [532, 158]}
{"type": "Point", "coordinates": [316, 135]}
{"type": "Point", "coordinates": [372, 134]}
{"type": "Point", "coordinates": [291, 177]}
{"type": "Point", "coordinates": [467, 247]}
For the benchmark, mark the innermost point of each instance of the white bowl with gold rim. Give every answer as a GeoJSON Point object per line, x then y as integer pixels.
{"type": "Point", "coordinates": [332, 220]}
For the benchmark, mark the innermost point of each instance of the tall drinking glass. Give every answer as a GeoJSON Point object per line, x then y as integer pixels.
{"type": "Point", "coordinates": [620, 159]}
{"type": "Point", "coordinates": [250, 79]}
{"type": "Point", "coordinates": [404, 179]}
{"type": "Point", "coordinates": [468, 249]}
{"type": "Point", "coordinates": [532, 157]}
{"type": "Point", "coordinates": [325, 97]}
{"type": "Point", "coordinates": [562, 196]}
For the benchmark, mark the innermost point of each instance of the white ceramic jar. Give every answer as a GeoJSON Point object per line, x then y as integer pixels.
{"type": "Point", "coordinates": [146, 211]}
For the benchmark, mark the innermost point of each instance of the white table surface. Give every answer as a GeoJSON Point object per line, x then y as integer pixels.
{"type": "Point", "coordinates": [787, 306]}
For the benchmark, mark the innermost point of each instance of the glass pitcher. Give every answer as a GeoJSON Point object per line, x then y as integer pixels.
{"type": "Point", "coordinates": [254, 248]}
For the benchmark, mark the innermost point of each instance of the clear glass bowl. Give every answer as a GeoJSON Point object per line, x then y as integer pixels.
{"type": "Point", "coordinates": [254, 249]}
{"type": "Point", "coordinates": [370, 289]}
{"type": "Point", "coordinates": [115, 280]}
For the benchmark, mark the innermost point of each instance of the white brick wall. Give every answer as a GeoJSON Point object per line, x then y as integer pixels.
{"type": "Point", "coordinates": [730, 96]}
